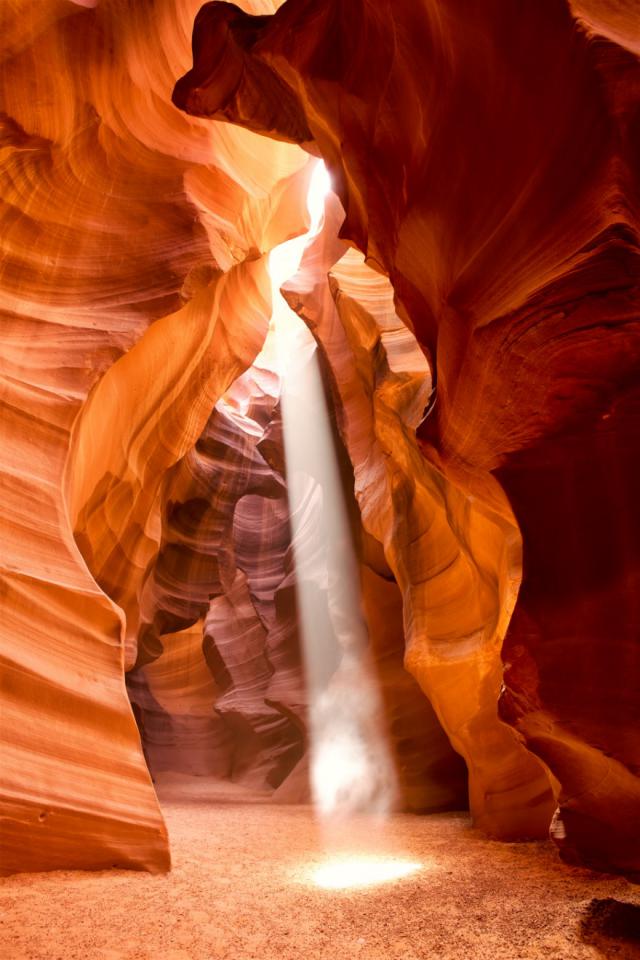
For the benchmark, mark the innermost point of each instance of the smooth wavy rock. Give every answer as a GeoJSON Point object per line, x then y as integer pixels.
{"type": "Point", "coordinates": [381, 383]}
{"type": "Point", "coordinates": [487, 157]}
{"type": "Point", "coordinates": [173, 700]}
{"type": "Point", "coordinates": [134, 292]}
{"type": "Point", "coordinates": [217, 578]}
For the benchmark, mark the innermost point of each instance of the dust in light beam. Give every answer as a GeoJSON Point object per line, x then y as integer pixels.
{"type": "Point", "coordinates": [352, 771]}
{"type": "Point", "coordinates": [351, 765]}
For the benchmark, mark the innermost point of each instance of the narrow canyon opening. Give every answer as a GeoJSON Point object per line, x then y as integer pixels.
{"type": "Point", "coordinates": [257, 665]}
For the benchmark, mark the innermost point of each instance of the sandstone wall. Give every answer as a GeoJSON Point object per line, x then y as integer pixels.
{"type": "Point", "coordinates": [486, 155]}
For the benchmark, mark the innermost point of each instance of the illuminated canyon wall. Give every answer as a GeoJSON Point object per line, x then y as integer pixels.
{"type": "Point", "coordinates": [477, 322]}
{"type": "Point", "coordinates": [487, 158]}
{"type": "Point", "coordinates": [134, 293]}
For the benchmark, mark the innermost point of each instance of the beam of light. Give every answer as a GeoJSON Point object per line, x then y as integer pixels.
{"type": "Point", "coordinates": [351, 765]}
{"type": "Point", "coordinates": [354, 872]}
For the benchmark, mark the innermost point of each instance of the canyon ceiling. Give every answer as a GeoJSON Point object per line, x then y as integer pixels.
{"type": "Point", "coordinates": [474, 297]}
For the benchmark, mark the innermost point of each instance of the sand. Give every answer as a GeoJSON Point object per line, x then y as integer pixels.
{"type": "Point", "coordinates": [241, 888]}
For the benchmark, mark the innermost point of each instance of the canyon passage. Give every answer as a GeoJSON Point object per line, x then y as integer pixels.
{"type": "Point", "coordinates": [320, 416]}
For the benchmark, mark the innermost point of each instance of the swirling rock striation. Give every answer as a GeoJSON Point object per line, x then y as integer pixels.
{"type": "Point", "coordinates": [487, 156]}
{"type": "Point", "coordinates": [222, 578]}
{"type": "Point", "coordinates": [381, 386]}
{"type": "Point", "coordinates": [133, 238]}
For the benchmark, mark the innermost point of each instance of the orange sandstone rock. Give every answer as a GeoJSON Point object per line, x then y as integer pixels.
{"type": "Point", "coordinates": [486, 155]}
{"type": "Point", "coordinates": [133, 292]}
{"type": "Point", "coordinates": [434, 540]}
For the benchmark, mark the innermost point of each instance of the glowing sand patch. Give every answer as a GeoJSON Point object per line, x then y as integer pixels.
{"type": "Point", "coordinates": [345, 874]}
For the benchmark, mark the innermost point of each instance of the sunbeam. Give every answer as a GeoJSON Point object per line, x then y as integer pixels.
{"type": "Point", "coordinates": [351, 765]}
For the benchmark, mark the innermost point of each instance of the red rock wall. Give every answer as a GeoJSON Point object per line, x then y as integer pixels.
{"type": "Point", "coordinates": [426, 538]}
{"type": "Point", "coordinates": [487, 157]}
{"type": "Point", "coordinates": [221, 565]}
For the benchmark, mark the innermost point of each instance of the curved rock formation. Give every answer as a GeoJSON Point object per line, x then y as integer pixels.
{"type": "Point", "coordinates": [487, 157]}
{"type": "Point", "coordinates": [481, 351]}
{"type": "Point", "coordinates": [132, 240]}
{"type": "Point", "coordinates": [431, 537]}
{"type": "Point", "coordinates": [173, 701]}
{"type": "Point", "coordinates": [222, 564]}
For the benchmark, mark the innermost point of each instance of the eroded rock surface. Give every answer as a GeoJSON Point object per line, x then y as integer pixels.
{"type": "Point", "coordinates": [382, 386]}
{"type": "Point", "coordinates": [487, 157]}
{"type": "Point", "coordinates": [134, 291]}
{"type": "Point", "coordinates": [222, 576]}
{"type": "Point", "coordinates": [481, 353]}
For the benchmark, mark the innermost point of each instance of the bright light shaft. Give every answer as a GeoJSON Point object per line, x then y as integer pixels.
{"type": "Point", "coordinates": [351, 766]}
{"type": "Point", "coordinates": [284, 259]}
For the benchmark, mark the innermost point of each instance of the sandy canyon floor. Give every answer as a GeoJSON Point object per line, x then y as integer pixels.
{"type": "Point", "coordinates": [242, 887]}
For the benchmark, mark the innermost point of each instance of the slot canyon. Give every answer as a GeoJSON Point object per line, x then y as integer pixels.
{"type": "Point", "coordinates": [320, 459]}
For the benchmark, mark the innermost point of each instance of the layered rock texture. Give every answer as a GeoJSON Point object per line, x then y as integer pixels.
{"type": "Point", "coordinates": [474, 299]}
{"type": "Point", "coordinates": [487, 157]}
{"type": "Point", "coordinates": [134, 293]}
{"type": "Point", "coordinates": [226, 694]}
